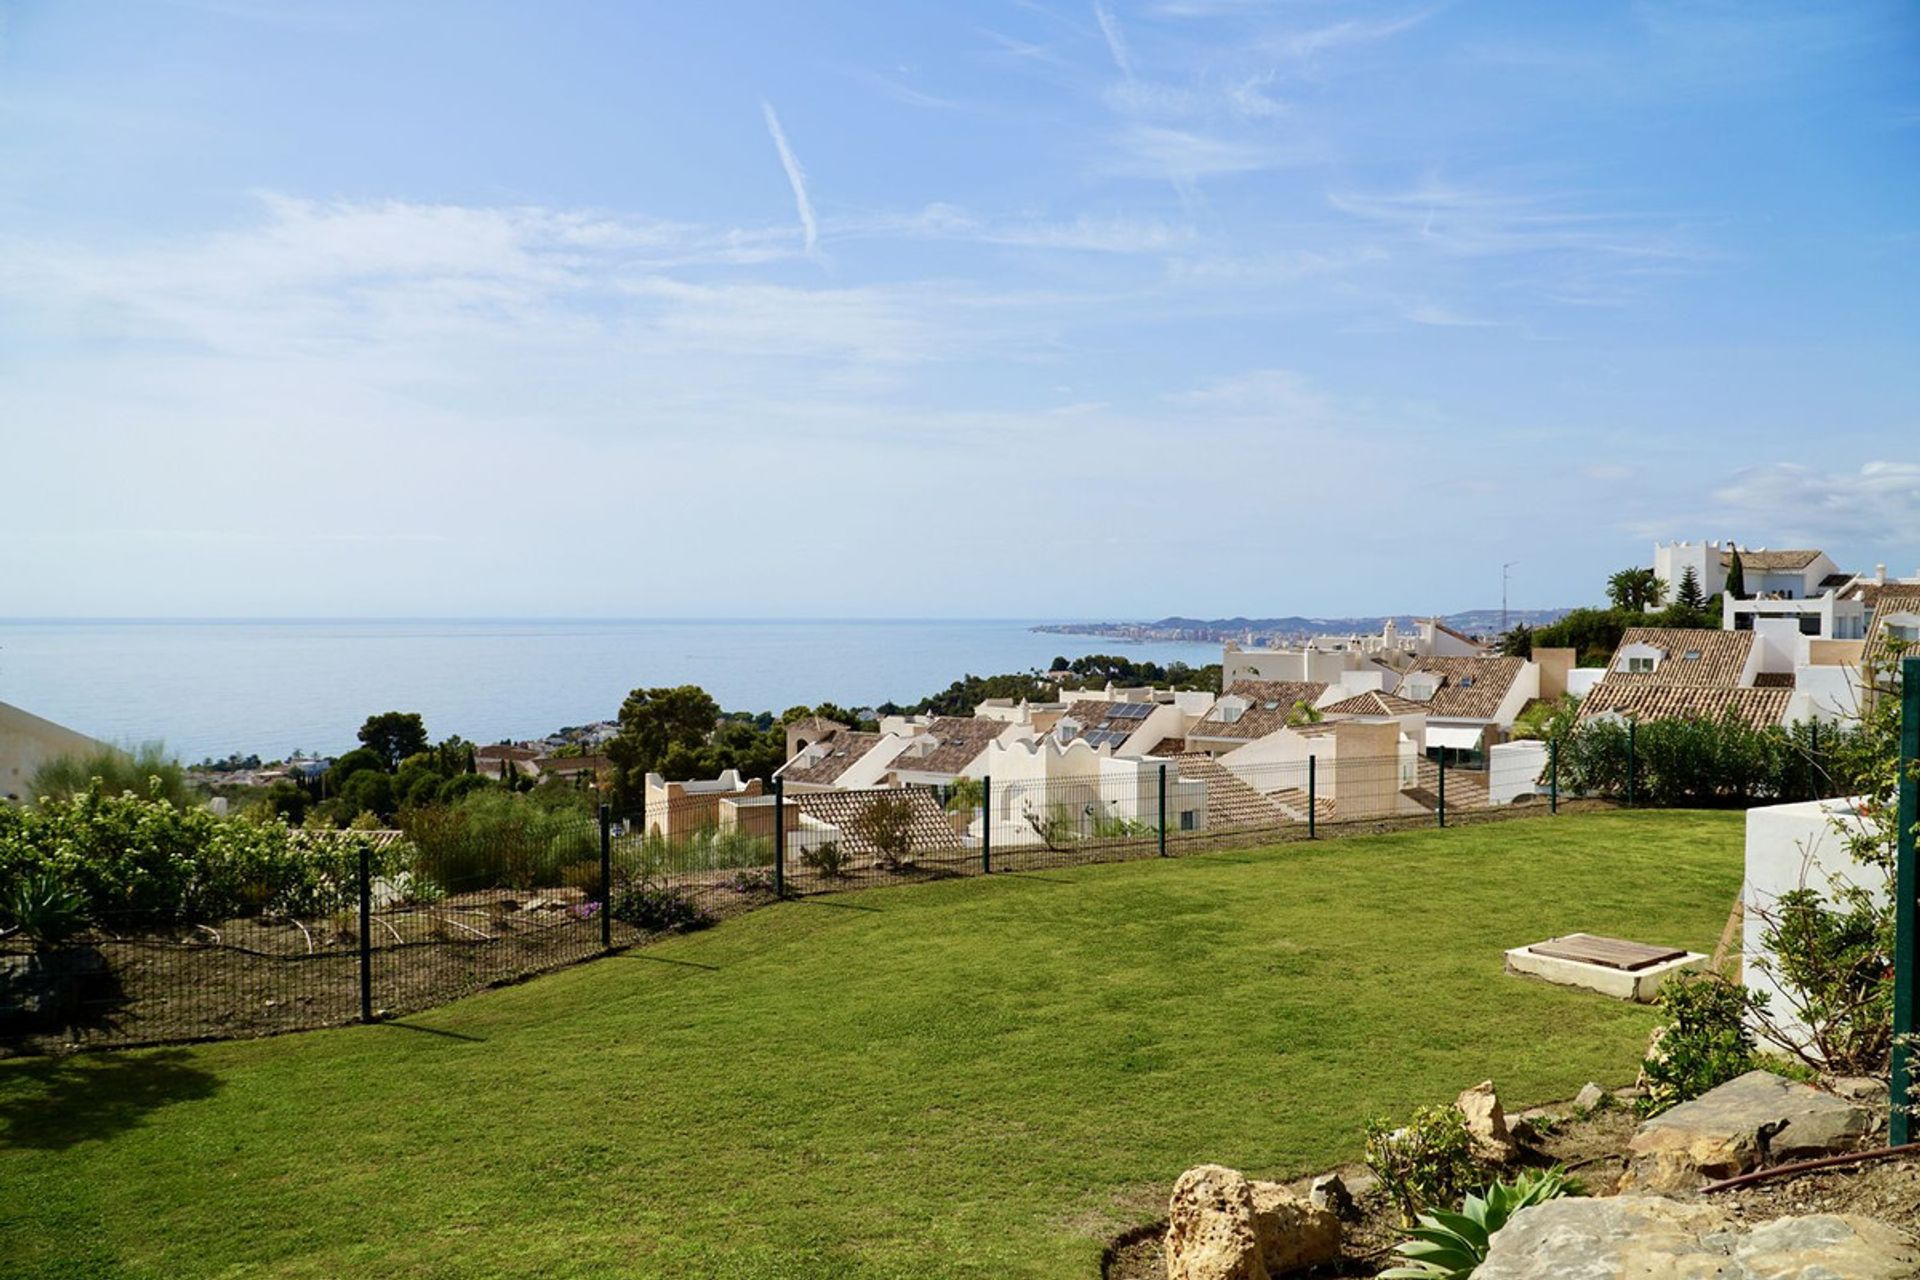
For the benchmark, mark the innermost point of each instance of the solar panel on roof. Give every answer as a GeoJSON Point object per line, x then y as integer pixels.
{"type": "Point", "coordinates": [1130, 711]}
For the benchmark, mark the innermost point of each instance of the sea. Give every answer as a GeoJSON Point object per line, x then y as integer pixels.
{"type": "Point", "coordinates": [207, 688]}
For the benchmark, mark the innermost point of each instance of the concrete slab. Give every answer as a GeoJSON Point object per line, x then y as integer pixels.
{"type": "Point", "coordinates": [1639, 985]}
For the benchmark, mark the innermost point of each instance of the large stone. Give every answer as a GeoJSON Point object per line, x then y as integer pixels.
{"type": "Point", "coordinates": [1590, 1098]}
{"type": "Point", "coordinates": [1294, 1232]}
{"type": "Point", "coordinates": [1330, 1192]}
{"type": "Point", "coordinates": [1487, 1123]}
{"type": "Point", "coordinates": [1210, 1227]}
{"type": "Point", "coordinates": [1757, 1119]}
{"type": "Point", "coordinates": [1650, 1236]}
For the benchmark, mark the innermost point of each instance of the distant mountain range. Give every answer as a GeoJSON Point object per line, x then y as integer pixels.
{"type": "Point", "coordinates": [1480, 622]}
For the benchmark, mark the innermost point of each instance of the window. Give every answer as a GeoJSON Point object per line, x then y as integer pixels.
{"type": "Point", "coordinates": [1809, 624]}
{"type": "Point", "coordinates": [1639, 664]}
{"type": "Point", "coordinates": [1466, 682]}
{"type": "Point", "coordinates": [1691, 655]}
{"type": "Point", "coordinates": [1189, 820]}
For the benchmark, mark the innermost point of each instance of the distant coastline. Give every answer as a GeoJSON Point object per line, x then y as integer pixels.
{"type": "Point", "coordinates": [1480, 622]}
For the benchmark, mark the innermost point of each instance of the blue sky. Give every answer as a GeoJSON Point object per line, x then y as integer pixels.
{"type": "Point", "coordinates": [994, 309]}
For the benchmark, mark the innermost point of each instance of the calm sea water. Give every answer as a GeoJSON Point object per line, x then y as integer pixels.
{"type": "Point", "coordinates": [208, 688]}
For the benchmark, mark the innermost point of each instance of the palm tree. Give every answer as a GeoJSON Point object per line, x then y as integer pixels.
{"type": "Point", "coordinates": [1304, 712]}
{"type": "Point", "coordinates": [1636, 589]}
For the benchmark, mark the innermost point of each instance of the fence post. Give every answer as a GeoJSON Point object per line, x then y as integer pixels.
{"type": "Point", "coordinates": [1906, 920]}
{"type": "Point", "coordinates": [1632, 735]}
{"type": "Point", "coordinates": [366, 934]}
{"type": "Point", "coordinates": [1313, 801]}
{"type": "Point", "coordinates": [986, 825]}
{"type": "Point", "coordinates": [779, 837]}
{"type": "Point", "coordinates": [1553, 775]}
{"type": "Point", "coordinates": [1440, 813]}
{"type": "Point", "coordinates": [606, 878]}
{"type": "Point", "coordinates": [1163, 809]}
{"type": "Point", "coordinates": [1813, 760]}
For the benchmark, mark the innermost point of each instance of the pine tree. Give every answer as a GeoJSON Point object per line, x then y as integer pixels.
{"type": "Point", "coordinates": [1736, 577]}
{"type": "Point", "coordinates": [1690, 596]}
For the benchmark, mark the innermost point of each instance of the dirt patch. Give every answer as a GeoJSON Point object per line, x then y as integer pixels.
{"type": "Point", "coordinates": [248, 978]}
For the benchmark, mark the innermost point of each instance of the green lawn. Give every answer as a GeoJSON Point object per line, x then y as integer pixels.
{"type": "Point", "coordinates": [967, 1078]}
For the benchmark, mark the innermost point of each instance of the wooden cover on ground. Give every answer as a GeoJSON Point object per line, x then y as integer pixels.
{"type": "Point", "coordinates": [1609, 953]}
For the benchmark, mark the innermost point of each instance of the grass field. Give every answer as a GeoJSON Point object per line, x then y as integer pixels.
{"type": "Point", "coordinates": [979, 1078]}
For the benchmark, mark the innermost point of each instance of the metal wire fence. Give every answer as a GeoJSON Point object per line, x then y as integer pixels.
{"type": "Point", "coordinates": [451, 908]}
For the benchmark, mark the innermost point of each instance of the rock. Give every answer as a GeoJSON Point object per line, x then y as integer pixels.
{"type": "Point", "coordinates": [1294, 1233]}
{"type": "Point", "coordinates": [1329, 1192]}
{"type": "Point", "coordinates": [1757, 1119]}
{"type": "Point", "coordinates": [1590, 1098]}
{"type": "Point", "coordinates": [1487, 1123]}
{"type": "Point", "coordinates": [1618, 1236]}
{"type": "Point", "coordinates": [47, 987]}
{"type": "Point", "coordinates": [1210, 1227]}
{"type": "Point", "coordinates": [1868, 1089]}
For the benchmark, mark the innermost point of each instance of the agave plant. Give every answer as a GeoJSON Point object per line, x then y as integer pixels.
{"type": "Point", "coordinates": [44, 910]}
{"type": "Point", "coordinates": [1448, 1246]}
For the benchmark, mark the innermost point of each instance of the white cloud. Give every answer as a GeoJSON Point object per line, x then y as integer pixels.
{"type": "Point", "coordinates": [1116, 39]}
{"type": "Point", "coordinates": [796, 178]}
{"type": "Point", "coordinates": [1876, 506]}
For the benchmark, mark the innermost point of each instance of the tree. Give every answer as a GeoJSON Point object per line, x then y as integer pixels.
{"type": "Point", "coordinates": [1689, 595]}
{"type": "Point", "coordinates": [1304, 712]}
{"type": "Point", "coordinates": [1635, 589]}
{"type": "Point", "coordinates": [652, 723]}
{"type": "Point", "coordinates": [1517, 643]}
{"type": "Point", "coordinates": [395, 735]}
{"type": "Point", "coordinates": [1736, 577]}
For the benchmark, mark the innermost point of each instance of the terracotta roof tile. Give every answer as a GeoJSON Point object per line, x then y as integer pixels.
{"type": "Point", "coordinates": [831, 756]}
{"type": "Point", "coordinates": [1758, 707]}
{"type": "Point", "coordinates": [1771, 561]}
{"type": "Point", "coordinates": [1470, 688]}
{"type": "Point", "coordinates": [1269, 704]}
{"type": "Point", "coordinates": [958, 742]}
{"type": "Point", "coordinates": [1375, 703]}
{"type": "Point", "coordinates": [929, 829]}
{"type": "Point", "coordinates": [1720, 657]}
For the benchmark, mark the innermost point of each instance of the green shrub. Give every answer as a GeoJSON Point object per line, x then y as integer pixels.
{"type": "Point", "coordinates": [495, 839]}
{"type": "Point", "coordinates": [148, 771]}
{"type": "Point", "coordinates": [1449, 1246]}
{"type": "Point", "coordinates": [45, 911]}
{"type": "Point", "coordinates": [657, 909]}
{"type": "Point", "coordinates": [1703, 1044]}
{"type": "Point", "coordinates": [1427, 1162]}
{"type": "Point", "coordinates": [886, 823]}
{"type": "Point", "coordinates": [144, 864]}
{"type": "Point", "coordinates": [826, 858]}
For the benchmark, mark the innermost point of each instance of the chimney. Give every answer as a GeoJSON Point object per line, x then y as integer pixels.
{"type": "Point", "coordinates": [1880, 574]}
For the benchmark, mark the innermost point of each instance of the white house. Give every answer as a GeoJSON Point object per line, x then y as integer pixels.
{"type": "Point", "coordinates": [1072, 789]}
{"type": "Point", "coordinates": [27, 742]}
{"type": "Point", "coordinates": [1471, 703]}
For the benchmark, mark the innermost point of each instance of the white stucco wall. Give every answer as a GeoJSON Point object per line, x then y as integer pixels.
{"type": "Point", "coordinates": [1513, 770]}
{"type": "Point", "coordinates": [1792, 846]}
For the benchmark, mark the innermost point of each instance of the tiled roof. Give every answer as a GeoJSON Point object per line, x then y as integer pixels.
{"type": "Point", "coordinates": [1722, 657]}
{"type": "Point", "coordinates": [1230, 801]}
{"type": "Point", "coordinates": [830, 757]}
{"type": "Point", "coordinates": [814, 726]}
{"type": "Point", "coordinates": [1894, 599]}
{"type": "Point", "coordinates": [930, 831]}
{"type": "Point", "coordinates": [501, 751]}
{"type": "Point", "coordinates": [1771, 561]}
{"type": "Point", "coordinates": [1457, 635]}
{"type": "Point", "coordinates": [1269, 702]}
{"type": "Point", "coordinates": [958, 742]}
{"type": "Point", "coordinates": [563, 765]}
{"type": "Point", "coordinates": [1168, 748]}
{"type": "Point", "coordinates": [1758, 707]}
{"type": "Point", "coordinates": [1090, 714]}
{"type": "Point", "coordinates": [1375, 703]}
{"type": "Point", "coordinates": [1774, 680]}
{"type": "Point", "coordinates": [1470, 688]}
